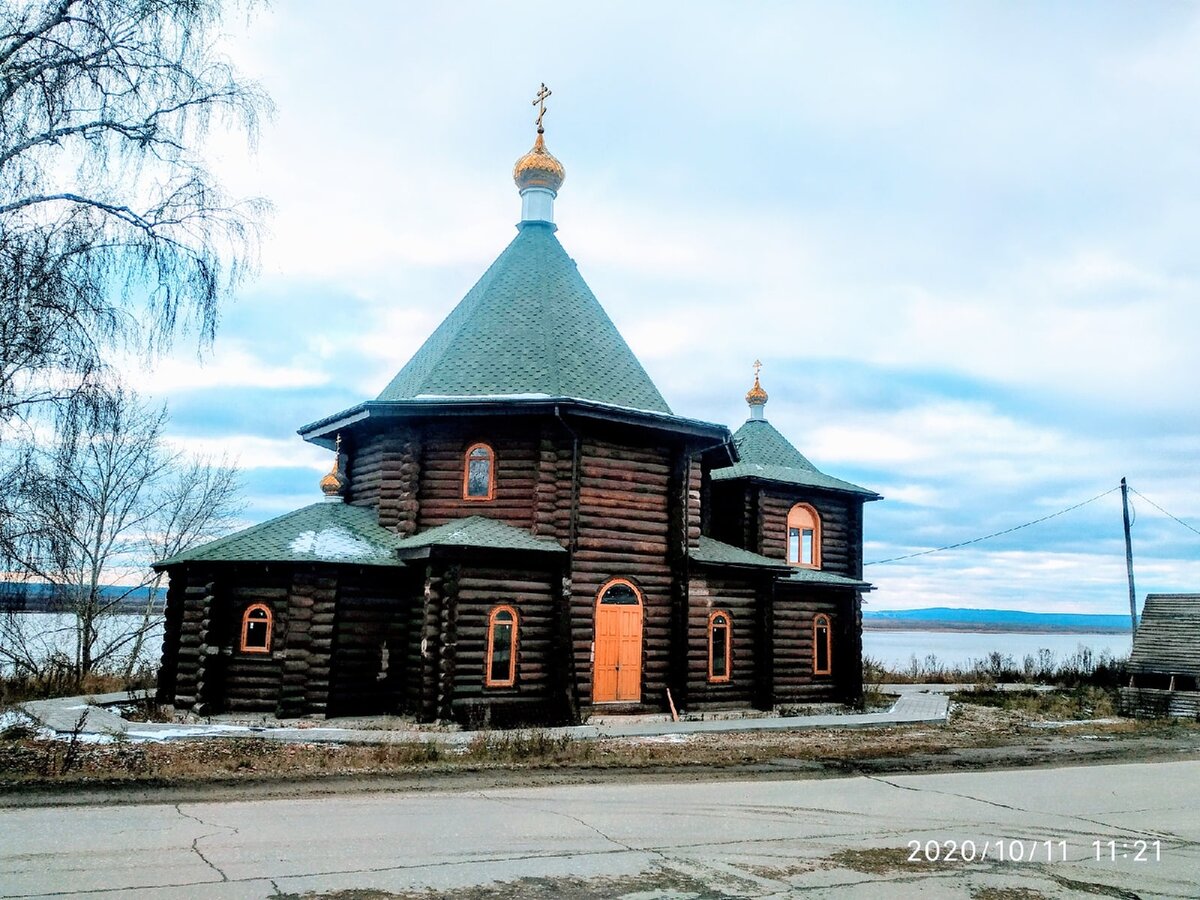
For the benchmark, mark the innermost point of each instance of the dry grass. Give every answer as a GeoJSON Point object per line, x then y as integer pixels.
{"type": "Point", "coordinates": [883, 861]}
{"type": "Point", "coordinates": [25, 760]}
{"type": "Point", "coordinates": [1082, 702]}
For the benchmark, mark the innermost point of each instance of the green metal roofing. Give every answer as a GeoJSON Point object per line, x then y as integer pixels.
{"type": "Point", "coordinates": [328, 532]}
{"type": "Point", "coordinates": [800, 575]}
{"type": "Point", "coordinates": [529, 328]}
{"type": "Point", "coordinates": [765, 453]}
{"type": "Point", "coordinates": [478, 532]}
{"type": "Point", "coordinates": [718, 553]}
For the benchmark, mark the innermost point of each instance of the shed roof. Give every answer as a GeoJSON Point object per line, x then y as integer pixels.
{"type": "Point", "coordinates": [766, 454]}
{"type": "Point", "coordinates": [801, 575]}
{"type": "Point", "coordinates": [477, 532]}
{"type": "Point", "coordinates": [530, 327]}
{"type": "Point", "coordinates": [719, 553]}
{"type": "Point", "coordinates": [325, 532]}
{"type": "Point", "coordinates": [1168, 636]}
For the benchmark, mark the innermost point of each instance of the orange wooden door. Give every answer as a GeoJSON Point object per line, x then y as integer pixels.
{"type": "Point", "coordinates": [618, 667]}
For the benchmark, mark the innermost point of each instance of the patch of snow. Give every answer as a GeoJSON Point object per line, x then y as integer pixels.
{"type": "Point", "coordinates": [1068, 722]}
{"type": "Point", "coordinates": [174, 732]}
{"type": "Point", "coordinates": [15, 718]}
{"type": "Point", "coordinates": [333, 542]}
{"type": "Point", "coordinates": [85, 737]}
{"type": "Point", "coordinates": [664, 739]}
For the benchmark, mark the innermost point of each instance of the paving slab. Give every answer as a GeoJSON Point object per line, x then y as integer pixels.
{"type": "Point", "coordinates": [62, 715]}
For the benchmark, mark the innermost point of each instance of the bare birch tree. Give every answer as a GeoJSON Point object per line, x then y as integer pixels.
{"type": "Point", "coordinates": [92, 513]}
{"type": "Point", "coordinates": [112, 230]}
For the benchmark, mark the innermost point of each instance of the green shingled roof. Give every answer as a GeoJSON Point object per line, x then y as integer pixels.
{"type": "Point", "coordinates": [765, 453]}
{"type": "Point", "coordinates": [802, 575]}
{"type": "Point", "coordinates": [329, 532]}
{"type": "Point", "coordinates": [718, 553]}
{"type": "Point", "coordinates": [478, 532]}
{"type": "Point", "coordinates": [530, 327]}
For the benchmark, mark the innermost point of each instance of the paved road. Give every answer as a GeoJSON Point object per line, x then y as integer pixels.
{"type": "Point", "coordinates": [814, 838]}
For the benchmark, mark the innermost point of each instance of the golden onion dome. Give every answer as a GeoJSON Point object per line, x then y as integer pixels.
{"type": "Point", "coordinates": [538, 168]}
{"type": "Point", "coordinates": [756, 396]}
{"type": "Point", "coordinates": [333, 482]}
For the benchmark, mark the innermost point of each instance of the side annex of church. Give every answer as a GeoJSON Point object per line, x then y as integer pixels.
{"type": "Point", "coordinates": [519, 530]}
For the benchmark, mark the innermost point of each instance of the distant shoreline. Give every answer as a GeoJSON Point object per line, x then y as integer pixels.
{"type": "Point", "coordinates": [984, 627]}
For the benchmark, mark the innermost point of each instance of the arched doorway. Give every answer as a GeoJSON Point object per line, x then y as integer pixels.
{"type": "Point", "coordinates": [617, 673]}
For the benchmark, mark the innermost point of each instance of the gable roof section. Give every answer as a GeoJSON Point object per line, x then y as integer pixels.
{"type": "Point", "coordinates": [325, 532]}
{"type": "Point", "coordinates": [477, 532]}
{"type": "Point", "coordinates": [765, 453]}
{"type": "Point", "coordinates": [529, 328]}
{"type": "Point", "coordinates": [1168, 635]}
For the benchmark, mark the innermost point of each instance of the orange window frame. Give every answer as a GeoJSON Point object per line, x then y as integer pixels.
{"type": "Point", "coordinates": [466, 479]}
{"type": "Point", "coordinates": [727, 625]}
{"type": "Point", "coordinates": [800, 516]}
{"type": "Point", "coordinates": [488, 680]}
{"type": "Point", "coordinates": [822, 621]}
{"type": "Point", "coordinates": [246, 620]}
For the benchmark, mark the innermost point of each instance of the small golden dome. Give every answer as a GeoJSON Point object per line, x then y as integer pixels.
{"type": "Point", "coordinates": [538, 168]}
{"type": "Point", "coordinates": [333, 482]}
{"type": "Point", "coordinates": [756, 396]}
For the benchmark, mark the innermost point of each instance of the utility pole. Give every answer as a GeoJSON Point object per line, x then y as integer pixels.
{"type": "Point", "coordinates": [1129, 557]}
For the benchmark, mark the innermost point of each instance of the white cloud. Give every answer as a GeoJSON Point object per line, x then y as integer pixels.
{"type": "Point", "coordinates": [250, 452]}
{"type": "Point", "coordinates": [231, 365]}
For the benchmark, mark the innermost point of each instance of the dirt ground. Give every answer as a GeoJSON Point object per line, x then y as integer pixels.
{"type": "Point", "coordinates": [37, 772]}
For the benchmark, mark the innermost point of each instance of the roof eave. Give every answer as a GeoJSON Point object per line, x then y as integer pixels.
{"type": "Point", "coordinates": [323, 431]}
{"type": "Point", "coordinates": [866, 494]}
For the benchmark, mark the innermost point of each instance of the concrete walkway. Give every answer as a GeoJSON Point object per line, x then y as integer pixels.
{"type": "Point", "coordinates": [917, 704]}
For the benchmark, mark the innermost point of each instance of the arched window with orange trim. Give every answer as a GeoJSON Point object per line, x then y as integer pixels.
{"type": "Point", "coordinates": [822, 645]}
{"type": "Point", "coordinates": [720, 646]}
{"type": "Point", "coordinates": [500, 664]}
{"type": "Point", "coordinates": [479, 473]}
{"type": "Point", "coordinates": [804, 537]}
{"type": "Point", "coordinates": [257, 623]}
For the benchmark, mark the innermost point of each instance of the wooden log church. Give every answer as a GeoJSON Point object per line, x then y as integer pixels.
{"type": "Point", "coordinates": [518, 529]}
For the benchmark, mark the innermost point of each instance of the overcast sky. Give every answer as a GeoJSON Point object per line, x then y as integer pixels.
{"type": "Point", "coordinates": [961, 237]}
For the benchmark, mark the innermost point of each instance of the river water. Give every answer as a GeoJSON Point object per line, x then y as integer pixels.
{"type": "Point", "coordinates": [959, 649]}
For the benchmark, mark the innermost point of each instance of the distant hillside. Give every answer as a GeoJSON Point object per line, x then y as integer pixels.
{"type": "Point", "coordinates": [944, 618]}
{"type": "Point", "coordinates": [22, 597]}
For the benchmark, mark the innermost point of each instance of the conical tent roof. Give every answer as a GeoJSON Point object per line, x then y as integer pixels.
{"type": "Point", "coordinates": [766, 454]}
{"type": "Point", "coordinates": [530, 327]}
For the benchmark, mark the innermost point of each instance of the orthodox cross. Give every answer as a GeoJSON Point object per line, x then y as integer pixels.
{"type": "Point", "coordinates": [540, 102]}
{"type": "Point", "coordinates": [757, 366]}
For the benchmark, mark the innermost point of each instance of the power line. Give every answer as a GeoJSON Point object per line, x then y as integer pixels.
{"type": "Point", "coordinates": [1163, 511]}
{"type": "Point", "coordinates": [987, 537]}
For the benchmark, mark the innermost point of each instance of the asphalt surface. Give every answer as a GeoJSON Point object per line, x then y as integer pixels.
{"type": "Point", "coordinates": [850, 837]}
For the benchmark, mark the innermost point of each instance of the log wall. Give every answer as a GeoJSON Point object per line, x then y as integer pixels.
{"type": "Point", "coordinates": [1157, 703]}
{"type": "Point", "coordinates": [481, 589]}
{"type": "Point", "coordinates": [841, 531]}
{"type": "Point", "coordinates": [709, 591]}
{"type": "Point", "coordinates": [623, 532]}
{"type": "Point", "coordinates": [370, 647]}
{"type": "Point", "coordinates": [191, 678]}
{"type": "Point", "coordinates": [253, 681]}
{"type": "Point", "coordinates": [518, 458]}
{"type": "Point", "coordinates": [172, 631]}
{"type": "Point", "coordinates": [793, 612]}
{"type": "Point", "coordinates": [384, 472]}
